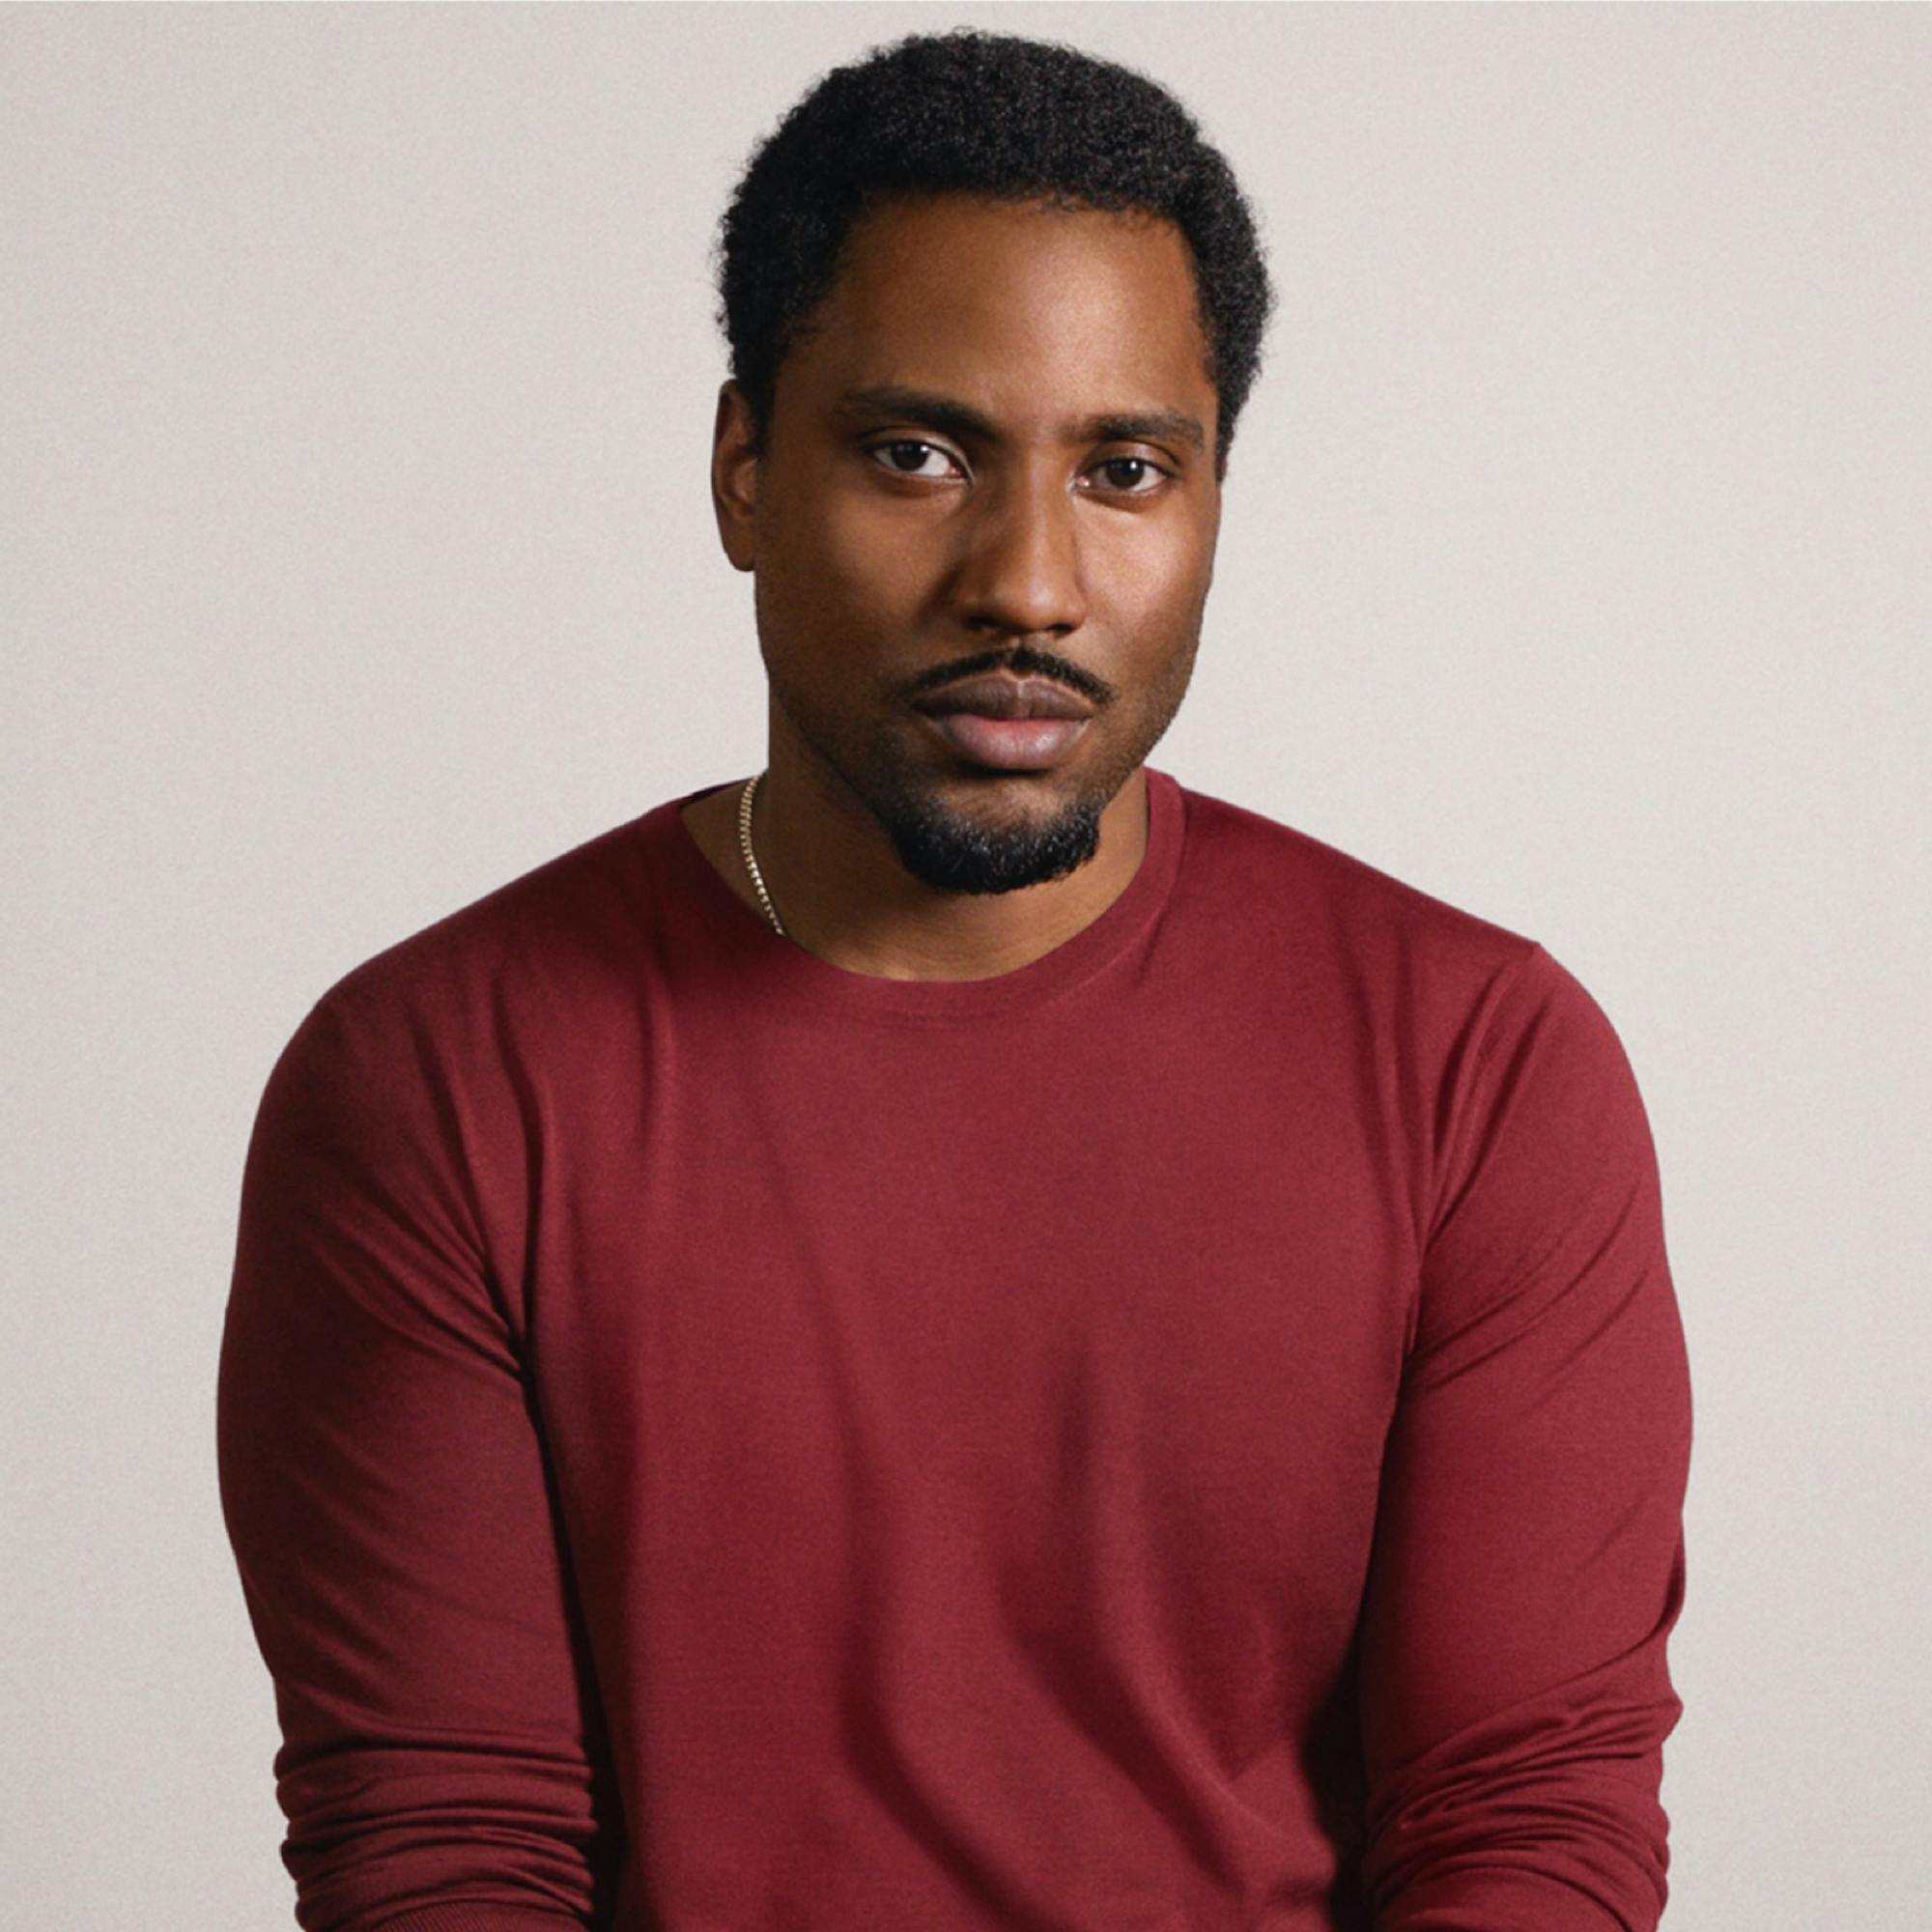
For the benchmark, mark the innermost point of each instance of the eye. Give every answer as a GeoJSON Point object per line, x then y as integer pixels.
{"type": "Point", "coordinates": [899, 446]}
{"type": "Point", "coordinates": [1147, 468]}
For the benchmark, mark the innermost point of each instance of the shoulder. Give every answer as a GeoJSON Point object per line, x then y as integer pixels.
{"type": "Point", "coordinates": [1464, 1041]}
{"type": "Point", "coordinates": [550, 949]}
{"type": "Point", "coordinates": [1454, 987]}
{"type": "Point", "coordinates": [1292, 902]}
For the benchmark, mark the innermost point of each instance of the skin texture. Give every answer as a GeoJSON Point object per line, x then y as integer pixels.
{"type": "Point", "coordinates": [893, 551]}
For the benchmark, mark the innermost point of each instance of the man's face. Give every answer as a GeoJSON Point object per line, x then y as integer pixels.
{"type": "Point", "coordinates": [996, 514]}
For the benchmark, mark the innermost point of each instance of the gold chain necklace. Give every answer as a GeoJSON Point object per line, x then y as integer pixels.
{"type": "Point", "coordinates": [750, 858]}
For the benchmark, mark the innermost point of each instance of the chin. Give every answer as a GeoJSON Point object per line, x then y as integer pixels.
{"type": "Point", "coordinates": [962, 850]}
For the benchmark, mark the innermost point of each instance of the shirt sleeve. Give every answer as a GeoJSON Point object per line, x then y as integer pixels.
{"type": "Point", "coordinates": [1528, 1558]}
{"type": "Point", "coordinates": [386, 1495]}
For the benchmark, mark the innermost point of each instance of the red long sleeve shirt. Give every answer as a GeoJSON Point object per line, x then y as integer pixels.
{"type": "Point", "coordinates": [1190, 1434]}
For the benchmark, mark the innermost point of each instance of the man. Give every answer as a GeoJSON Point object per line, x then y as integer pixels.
{"type": "Point", "coordinates": [958, 1334]}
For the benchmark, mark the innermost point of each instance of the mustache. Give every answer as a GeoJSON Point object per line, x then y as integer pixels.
{"type": "Point", "coordinates": [1021, 661]}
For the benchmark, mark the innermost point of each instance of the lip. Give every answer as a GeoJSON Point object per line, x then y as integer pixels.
{"type": "Point", "coordinates": [1008, 744]}
{"type": "Point", "coordinates": [1002, 697]}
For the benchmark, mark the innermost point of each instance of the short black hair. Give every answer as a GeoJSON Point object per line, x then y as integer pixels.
{"type": "Point", "coordinates": [984, 114]}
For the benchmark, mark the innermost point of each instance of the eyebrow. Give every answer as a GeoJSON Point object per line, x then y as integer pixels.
{"type": "Point", "coordinates": [958, 419]}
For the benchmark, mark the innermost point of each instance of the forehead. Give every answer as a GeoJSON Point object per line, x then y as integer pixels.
{"type": "Point", "coordinates": [1027, 307]}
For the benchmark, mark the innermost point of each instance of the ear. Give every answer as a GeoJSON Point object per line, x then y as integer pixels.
{"type": "Point", "coordinates": [734, 476]}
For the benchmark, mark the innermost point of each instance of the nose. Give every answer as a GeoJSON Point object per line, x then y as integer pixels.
{"type": "Point", "coordinates": [1022, 571]}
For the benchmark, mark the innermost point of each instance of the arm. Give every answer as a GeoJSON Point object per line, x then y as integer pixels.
{"type": "Point", "coordinates": [386, 1495]}
{"type": "Point", "coordinates": [1528, 1562]}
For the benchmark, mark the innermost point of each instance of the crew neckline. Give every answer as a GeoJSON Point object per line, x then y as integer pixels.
{"type": "Point", "coordinates": [789, 973]}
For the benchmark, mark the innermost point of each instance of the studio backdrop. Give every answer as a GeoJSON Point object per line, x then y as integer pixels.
{"type": "Point", "coordinates": [358, 368]}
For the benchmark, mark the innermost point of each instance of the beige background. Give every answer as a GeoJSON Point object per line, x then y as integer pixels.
{"type": "Point", "coordinates": [356, 369]}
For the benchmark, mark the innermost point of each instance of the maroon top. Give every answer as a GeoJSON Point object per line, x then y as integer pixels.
{"type": "Point", "coordinates": [1188, 1434]}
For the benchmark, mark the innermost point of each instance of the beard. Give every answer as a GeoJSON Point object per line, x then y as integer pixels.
{"type": "Point", "coordinates": [954, 852]}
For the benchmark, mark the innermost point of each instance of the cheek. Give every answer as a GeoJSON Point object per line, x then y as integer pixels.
{"type": "Point", "coordinates": [847, 553]}
{"type": "Point", "coordinates": [1150, 580]}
